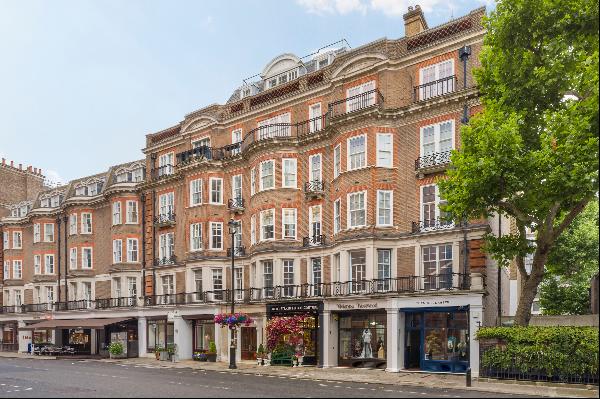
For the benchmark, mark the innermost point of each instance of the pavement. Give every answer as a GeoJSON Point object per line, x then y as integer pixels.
{"type": "Point", "coordinates": [433, 384]}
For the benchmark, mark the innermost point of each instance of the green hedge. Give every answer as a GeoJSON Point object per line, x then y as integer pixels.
{"type": "Point", "coordinates": [555, 351]}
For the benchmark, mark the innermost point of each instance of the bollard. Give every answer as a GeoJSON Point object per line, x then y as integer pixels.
{"type": "Point", "coordinates": [468, 375]}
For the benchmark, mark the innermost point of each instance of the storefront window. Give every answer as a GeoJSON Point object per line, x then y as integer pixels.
{"type": "Point", "coordinates": [446, 336]}
{"type": "Point", "coordinates": [204, 334]}
{"type": "Point", "coordinates": [362, 337]}
{"type": "Point", "coordinates": [160, 334]}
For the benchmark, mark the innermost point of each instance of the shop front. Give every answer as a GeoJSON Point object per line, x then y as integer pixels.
{"type": "Point", "coordinates": [9, 338]}
{"type": "Point", "coordinates": [160, 334]}
{"type": "Point", "coordinates": [125, 332]}
{"type": "Point", "coordinates": [311, 335]}
{"type": "Point", "coordinates": [362, 339]}
{"type": "Point", "coordinates": [203, 332]}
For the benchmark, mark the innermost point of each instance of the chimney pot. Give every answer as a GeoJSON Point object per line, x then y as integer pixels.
{"type": "Point", "coordinates": [20, 166]}
{"type": "Point", "coordinates": [3, 161]}
{"type": "Point", "coordinates": [12, 164]}
{"type": "Point", "coordinates": [414, 21]}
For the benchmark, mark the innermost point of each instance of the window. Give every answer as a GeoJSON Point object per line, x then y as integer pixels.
{"type": "Point", "coordinates": [314, 221]}
{"type": "Point", "coordinates": [203, 142]}
{"type": "Point", "coordinates": [36, 233]}
{"type": "Point", "coordinates": [196, 192]}
{"type": "Point", "coordinates": [337, 218]}
{"type": "Point", "coordinates": [166, 204]}
{"type": "Point", "coordinates": [314, 114]}
{"type": "Point", "coordinates": [73, 223]}
{"type": "Point", "coordinates": [253, 230]}
{"type": "Point", "coordinates": [6, 269]}
{"type": "Point", "coordinates": [357, 209]}
{"type": "Point", "coordinates": [37, 264]}
{"type": "Point", "coordinates": [73, 258]}
{"type": "Point", "coordinates": [357, 150]}
{"type": "Point", "coordinates": [384, 267]}
{"type": "Point", "coordinates": [117, 251]}
{"type": "Point", "coordinates": [290, 172]}
{"type": "Point", "coordinates": [239, 283]}
{"type": "Point", "coordinates": [18, 298]}
{"type": "Point", "coordinates": [236, 137]}
{"type": "Point", "coordinates": [17, 269]}
{"type": "Point", "coordinates": [361, 96]}
{"type": "Point", "coordinates": [437, 138]}
{"type": "Point", "coordinates": [337, 267]}
{"type": "Point", "coordinates": [278, 126]}
{"type": "Point", "coordinates": [86, 288]}
{"type": "Point", "coordinates": [48, 232]}
{"type": "Point", "coordinates": [6, 239]}
{"type": "Point", "coordinates": [132, 287]}
{"type": "Point", "coordinates": [337, 160]}
{"type": "Point", "coordinates": [288, 277]}
{"type": "Point", "coordinates": [86, 223]}
{"type": "Point", "coordinates": [217, 280]}
{"type": "Point", "coordinates": [358, 270]}
{"type": "Point", "coordinates": [268, 278]}
{"type": "Point", "coordinates": [198, 284]}
{"type": "Point", "coordinates": [116, 213]}
{"type": "Point", "coordinates": [94, 188]}
{"type": "Point", "coordinates": [132, 212]}
{"type": "Point", "coordinates": [49, 294]}
{"type": "Point", "coordinates": [237, 237]}
{"type": "Point", "coordinates": [86, 258]}
{"type": "Point", "coordinates": [437, 266]}
{"type": "Point", "coordinates": [45, 203]}
{"type": "Point", "coordinates": [17, 240]}
{"type": "Point", "coordinates": [316, 274]}
{"type": "Point", "coordinates": [431, 214]}
{"type": "Point", "coordinates": [314, 167]}
{"type": "Point", "coordinates": [436, 80]}
{"type": "Point", "coordinates": [216, 190]}
{"type": "Point", "coordinates": [216, 235]}
{"type": "Point", "coordinates": [168, 288]}
{"type": "Point", "coordinates": [55, 201]}
{"type": "Point", "coordinates": [267, 223]}
{"type": "Point", "coordinates": [384, 150]}
{"type": "Point", "coordinates": [195, 236]}
{"type": "Point", "coordinates": [132, 250]}
{"type": "Point", "coordinates": [236, 187]}
{"type": "Point", "coordinates": [384, 207]}
{"type": "Point", "coordinates": [165, 164]}
{"type": "Point", "coordinates": [252, 181]}
{"type": "Point", "coordinates": [267, 177]}
{"type": "Point", "coordinates": [166, 246]}
{"type": "Point", "coordinates": [49, 263]}
{"type": "Point", "coordinates": [289, 223]}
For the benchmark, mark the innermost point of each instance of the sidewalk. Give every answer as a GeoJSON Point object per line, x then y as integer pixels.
{"type": "Point", "coordinates": [376, 376]}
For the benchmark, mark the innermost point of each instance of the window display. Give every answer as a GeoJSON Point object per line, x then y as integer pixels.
{"type": "Point", "coordinates": [204, 334]}
{"type": "Point", "coordinates": [362, 337]}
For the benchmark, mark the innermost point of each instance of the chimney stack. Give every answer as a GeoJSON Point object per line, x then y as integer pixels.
{"type": "Point", "coordinates": [414, 21]}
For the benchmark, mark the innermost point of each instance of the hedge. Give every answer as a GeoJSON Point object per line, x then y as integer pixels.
{"type": "Point", "coordinates": [555, 351]}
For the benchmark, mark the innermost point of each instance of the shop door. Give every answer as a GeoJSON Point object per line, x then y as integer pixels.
{"type": "Point", "coordinates": [413, 349]}
{"type": "Point", "coordinates": [248, 342]}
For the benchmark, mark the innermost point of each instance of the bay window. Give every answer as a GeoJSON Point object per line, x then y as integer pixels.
{"type": "Point", "coordinates": [267, 176]}
{"type": "Point", "coordinates": [196, 192]}
{"type": "Point", "coordinates": [195, 236]}
{"type": "Point", "coordinates": [357, 152]}
{"type": "Point", "coordinates": [290, 179]}
{"type": "Point", "coordinates": [216, 235]}
{"type": "Point", "coordinates": [357, 213]}
{"type": "Point", "coordinates": [289, 223]}
{"type": "Point", "coordinates": [384, 207]}
{"type": "Point", "coordinates": [267, 224]}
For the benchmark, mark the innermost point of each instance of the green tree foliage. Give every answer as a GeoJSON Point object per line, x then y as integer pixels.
{"type": "Point", "coordinates": [571, 265]}
{"type": "Point", "coordinates": [532, 153]}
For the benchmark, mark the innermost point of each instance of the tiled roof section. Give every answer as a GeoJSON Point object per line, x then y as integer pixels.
{"type": "Point", "coordinates": [163, 134]}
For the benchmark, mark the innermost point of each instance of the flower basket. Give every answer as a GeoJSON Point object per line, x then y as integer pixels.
{"type": "Point", "coordinates": [233, 320]}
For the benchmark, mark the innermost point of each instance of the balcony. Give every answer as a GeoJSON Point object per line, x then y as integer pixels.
{"type": "Point", "coordinates": [166, 261]}
{"type": "Point", "coordinates": [313, 241]}
{"type": "Point", "coordinates": [165, 299]}
{"type": "Point", "coordinates": [436, 224]}
{"type": "Point", "coordinates": [314, 189]}
{"type": "Point", "coordinates": [312, 126]}
{"type": "Point", "coordinates": [36, 307]}
{"type": "Point", "coordinates": [120, 302]}
{"type": "Point", "coordinates": [434, 89]}
{"type": "Point", "coordinates": [359, 102]}
{"type": "Point", "coordinates": [236, 205]}
{"type": "Point", "coordinates": [10, 309]}
{"type": "Point", "coordinates": [162, 172]}
{"type": "Point", "coordinates": [237, 251]}
{"type": "Point", "coordinates": [82, 304]}
{"type": "Point", "coordinates": [165, 219]}
{"type": "Point", "coordinates": [432, 163]}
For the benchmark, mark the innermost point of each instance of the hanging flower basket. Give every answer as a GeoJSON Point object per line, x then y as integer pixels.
{"type": "Point", "coordinates": [232, 321]}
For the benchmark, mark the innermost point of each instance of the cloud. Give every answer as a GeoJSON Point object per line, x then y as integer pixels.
{"type": "Point", "coordinates": [391, 8]}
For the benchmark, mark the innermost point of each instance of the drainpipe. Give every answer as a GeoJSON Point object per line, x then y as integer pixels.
{"type": "Point", "coordinates": [464, 53]}
{"type": "Point", "coordinates": [153, 157]}
{"type": "Point", "coordinates": [65, 219]}
{"type": "Point", "coordinates": [58, 256]}
{"type": "Point", "coordinates": [143, 208]}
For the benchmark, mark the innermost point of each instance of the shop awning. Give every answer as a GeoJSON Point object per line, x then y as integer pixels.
{"type": "Point", "coordinates": [75, 323]}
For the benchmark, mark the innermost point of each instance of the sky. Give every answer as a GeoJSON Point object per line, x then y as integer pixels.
{"type": "Point", "coordinates": [82, 82]}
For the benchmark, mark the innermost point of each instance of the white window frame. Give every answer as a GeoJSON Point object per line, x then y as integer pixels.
{"type": "Point", "coordinates": [83, 258]}
{"type": "Point", "coordinates": [17, 271]}
{"type": "Point", "coordinates": [337, 216]}
{"type": "Point", "coordinates": [236, 187]}
{"type": "Point", "coordinates": [116, 213]}
{"type": "Point", "coordinates": [73, 259]}
{"type": "Point", "coordinates": [311, 221]}
{"type": "Point", "coordinates": [388, 160]}
{"type": "Point", "coordinates": [6, 270]}
{"type": "Point", "coordinates": [6, 238]}
{"type": "Point", "coordinates": [310, 167]}
{"type": "Point", "coordinates": [18, 239]}
{"type": "Point", "coordinates": [262, 230]}
{"type": "Point", "coordinates": [262, 178]}
{"type": "Point", "coordinates": [294, 212]}
{"type": "Point", "coordinates": [37, 264]}
{"type": "Point", "coordinates": [166, 203]}
{"type": "Point", "coordinates": [195, 188]}
{"type": "Point", "coordinates": [349, 155]}
{"type": "Point", "coordinates": [211, 236]}
{"type": "Point", "coordinates": [130, 207]}
{"type": "Point", "coordinates": [337, 160]}
{"type": "Point", "coordinates": [285, 164]}
{"type": "Point", "coordinates": [236, 137]}
{"type": "Point", "coordinates": [117, 251]}
{"type": "Point", "coordinates": [131, 242]}
{"type": "Point", "coordinates": [47, 263]}
{"type": "Point", "coordinates": [195, 227]}
{"type": "Point", "coordinates": [436, 137]}
{"type": "Point", "coordinates": [212, 180]}
{"type": "Point", "coordinates": [252, 181]}
{"type": "Point", "coordinates": [165, 164]}
{"type": "Point", "coordinates": [45, 232]}
{"type": "Point", "coordinates": [253, 230]}
{"type": "Point", "coordinates": [203, 141]}
{"type": "Point", "coordinates": [391, 209]}
{"type": "Point", "coordinates": [314, 115]}
{"type": "Point", "coordinates": [425, 91]}
{"type": "Point", "coordinates": [166, 246]}
{"type": "Point", "coordinates": [348, 210]}
{"type": "Point", "coordinates": [73, 224]}
{"type": "Point", "coordinates": [37, 233]}
{"type": "Point", "coordinates": [83, 225]}
{"type": "Point", "coordinates": [358, 102]}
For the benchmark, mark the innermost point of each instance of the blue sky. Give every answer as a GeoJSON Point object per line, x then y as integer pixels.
{"type": "Point", "coordinates": [82, 82]}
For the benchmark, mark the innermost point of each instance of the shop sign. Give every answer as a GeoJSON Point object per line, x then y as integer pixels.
{"type": "Point", "coordinates": [433, 302]}
{"type": "Point", "coordinates": [296, 307]}
{"type": "Point", "coordinates": [355, 306]}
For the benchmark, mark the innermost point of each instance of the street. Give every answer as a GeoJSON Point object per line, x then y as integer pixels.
{"type": "Point", "coordinates": [67, 378]}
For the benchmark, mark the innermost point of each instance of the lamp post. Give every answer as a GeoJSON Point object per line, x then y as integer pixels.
{"type": "Point", "coordinates": [464, 53]}
{"type": "Point", "coordinates": [233, 230]}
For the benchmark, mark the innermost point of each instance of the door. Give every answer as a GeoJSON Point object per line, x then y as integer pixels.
{"type": "Point", "coordinates": [248, 342]}
{"type": "Point", "coordinates": [413, 349]}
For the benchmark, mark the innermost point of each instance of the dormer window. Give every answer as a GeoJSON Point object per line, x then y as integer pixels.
{"type": "Point", "coordinates": [323, 63]}
{"type": "Point", "coordinates": [282, 78]}
{"type": "Point", "coordinates": [55, 201]}
{"type": "Point", "coordinates": [89, 190]}
{"type": "Point", "coordinates": [45, 203]}
{"type": "Point", "coordinates": [135, 175]}
{"type": "Point", "coordinates": [81, 190]}
{"type": "Point", "coordinates": [23, 210]}
{"type": "Point", "coordinates": [14, 213]}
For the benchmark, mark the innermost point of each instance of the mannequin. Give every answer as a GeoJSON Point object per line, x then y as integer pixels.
{"type": "Point", "coordinates": [367, 351]}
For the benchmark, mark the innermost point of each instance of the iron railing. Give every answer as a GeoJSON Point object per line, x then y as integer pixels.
{"type": "Point", "coordinates": [312, 126]}
{"type": "Point", "coordinates": [432, 225]}
{"type": "Point", "coordinates": [313, 241]}
{"type": "Point", "coordinates": [165, 261]}
{"type": "Point", "coordinates": [120, 302]}
{"type": "Point", "coordinates": [430, 160]}
{"type": "Point", "coordinates": [81, 304]}
{"type": "Point", "coordinates": [237, 251]}
{"type": "Point", "coordinates": [163, 172]}
{"type": "Point", "coordinates": [235, 204]}
{"type": "Point", "coordinates": [433, 89]}
{"type": "Point", "coordinates": [314, 186]}
{"type": "Point", "coordinates": [165, 218]}
{"type": "Point", "coordinates": [368, 99]}
{"type": "Point", "coordinates": [10, 309]}
{"type": "Point", "coordinates": [36, 307]}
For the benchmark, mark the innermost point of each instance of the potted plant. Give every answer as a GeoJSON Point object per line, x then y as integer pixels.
{"type": "Point", "coordinates": [171, 351]}
{"type": "Point", "coordinates": [157, 350]}
{"type": "Point", "coordinates": [212, 352]}
{"type": "Point", "coordinates": [199, 357]}
{"type": "Point", "coordinates": [260, 355]}
{"type": "Point", "coordinates": [115, 349]}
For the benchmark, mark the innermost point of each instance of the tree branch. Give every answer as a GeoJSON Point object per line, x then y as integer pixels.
{"type": "Point", "coordinates": [516, 212]}
{"type": "Point", "coordinates": [520, 259]}
{"type": "Point", "coordinates": [576, 210]}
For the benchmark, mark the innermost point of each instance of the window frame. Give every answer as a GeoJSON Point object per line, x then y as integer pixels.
{"type": "Point", "coordinates": [391, 208]}
{"type": "Point", "coordinates": [82, 230]}
{"type": "Point", "coordinates": [129, 204]}
{"type": "Point", "coordinates": [130, 241]}
{"type": "Point", "coordinates": [349, 154]}
{"type": "Point", "coordinates": [115, 213]}
{"type": "Point", "coordinates": [192, 237]}
{"type": "Point", "coordinates": [45, 233]}
{"type": "Point", "coordinates": [262, 235]}
{"type": "Point", "coordinates": [211, 236]}
{"type": "Point", "coordinates": [348, 210]}
{"type": "Point", "coordinates": [283, 223]}
{"type": "Point", "coordinates": [212, 180]}
{"type": "Point", "coordinates": [337, 160]}
{"type": "Point", "coordinates": [117, 244]}
{"type": "Point", "coordinates": [83, 258]}
{"type": "Point", "coordinates": [294, 163]}
{"type": "Point", "coordinates": [381, 150]}
{"type": "Point", "coordinates": [46, 263]}
{"type": "Point", "coordinates": [436, 137]}
{"type": "Point", "coordinates": [261, 177]}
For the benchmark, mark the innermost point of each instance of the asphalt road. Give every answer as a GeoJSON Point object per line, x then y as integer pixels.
{"type": "Point", "coordinates": [25, 378]}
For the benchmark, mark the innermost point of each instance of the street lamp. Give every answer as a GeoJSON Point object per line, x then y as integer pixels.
{"type": "Point", "coordinates": [233, 230]}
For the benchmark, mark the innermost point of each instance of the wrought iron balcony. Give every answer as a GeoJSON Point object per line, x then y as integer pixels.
{"type": "Point", "coordinates": [432, 161]}
{"type": "Point", "coordinates": [236, 205]}
{"type": "Point", "coordinates": [10, 309]}
{"type": "Point", "coordinates": [166, 261]}
{"type": "Point", "coordinates": [165, 219]}
{"type": "Point", "coordinates": [314, 188]}
{"type": "Point", "coordinates": [313, 241]}
{"type": "Point", "coordinates": [369, 99]}
{"type": "Point", "coordinates": [163, 172]}
{"type": "Point", "coordinates": [433, 89]}
{"type": "Point", "coordinates": [120, 302]}
{"type": "Point", "coordinates": [432, 225]}
{"type": "Point", "coordinates": [81, 304]}
{"type": "Point", "coordinates": [36, 307]}
{"type": "Point", "coordinates": [237, 251]}
{"type": "Point", "coordinates": [312, 126]}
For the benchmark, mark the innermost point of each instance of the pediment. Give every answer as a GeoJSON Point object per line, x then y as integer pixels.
{"type": "Point", "coordinates": [357, 64]}
{"type": "Point", "coordinates": [199, 123]}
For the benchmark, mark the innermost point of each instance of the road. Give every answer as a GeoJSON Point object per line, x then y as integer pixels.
{"type": "Point", "coordinates": [25, 378]}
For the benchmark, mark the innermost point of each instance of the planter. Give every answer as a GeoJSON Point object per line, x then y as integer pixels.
{"type": "Point", "coordinates": [211, 357]}
{"type": "Point", "coordinates": [119, 356]}
{"type": "Point", "coordinates": [157, 355]}
{"type": "Point", "coordinates": [164, 356]}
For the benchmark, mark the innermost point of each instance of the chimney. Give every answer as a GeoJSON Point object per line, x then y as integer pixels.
{"type": "Point", "coordinates": [414, 21]}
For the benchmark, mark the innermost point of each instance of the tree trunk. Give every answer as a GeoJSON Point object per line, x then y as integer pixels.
{"type": "Point", "coordinates": [530, 287]}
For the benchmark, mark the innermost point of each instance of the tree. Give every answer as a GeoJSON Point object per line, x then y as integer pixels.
{"type": "Point", "coordinates": [571, 265]}
{"type": "Point", "coordinates": [532, 153]}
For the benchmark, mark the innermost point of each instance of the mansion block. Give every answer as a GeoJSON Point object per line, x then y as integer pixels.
{"type": "Point", "coordinates": [329, 165]}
